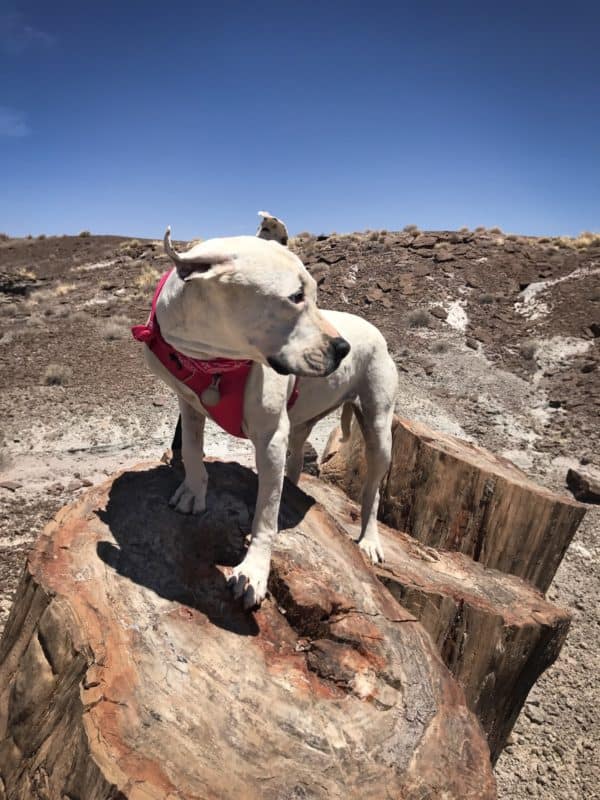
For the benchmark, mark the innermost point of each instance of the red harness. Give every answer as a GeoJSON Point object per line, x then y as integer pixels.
{"type": "Point", "coordinates": [198, 375]}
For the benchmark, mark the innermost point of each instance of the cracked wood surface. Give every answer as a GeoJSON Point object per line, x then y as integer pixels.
{"type": "Point", "coordinates": [127, 671]}
{"type": "Point", "coordinates": [454, 495]}
{"type": "Point", "coordinates": [495, 632]}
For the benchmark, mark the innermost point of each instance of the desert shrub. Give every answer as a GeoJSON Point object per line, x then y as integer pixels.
{"type": "Point", "coordinates": [528, 350]}
{"type": "Point", "coordinates": [29, 236]}
{"type": "Point", "coordinates": [56, 375]}
{"type": "Point", "coordinates": [464, 229]}
{"type": "Point", "coordinates": [147, 278]}
{"type": "Point", "coordinates": [496, 230]}
{"type": "Point", "coordinates": [63, 288]}
{"type": "Point", "coordinates": [113, 329]}
{"type": "Point", "coordinates": [480, 229]}
{"type": "Point", "coordinates": [4, 237]}
{"type": "Point", "coordinates": [373, 236]}
{"type": "Point", "coordinates": [411, 229]}
{"type": "Point", "coordinates": [84, 234]}
{"type": "Point", "coordinates": [41, 236]}
{"type": "Point", "coordinates": [587, 239]}
{"type": "Point", "coordinates": [419, 318]}
{"type": "Point", "coordinates": [439, 347]}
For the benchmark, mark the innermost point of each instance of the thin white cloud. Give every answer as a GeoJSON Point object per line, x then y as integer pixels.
{"type": "Point", "coordinates": [16, 36]}
{"type": "Point", "coordinates": [13, 123]}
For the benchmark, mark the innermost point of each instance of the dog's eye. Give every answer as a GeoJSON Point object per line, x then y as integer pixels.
{"type": "Point", "coordinates": [297, 297]}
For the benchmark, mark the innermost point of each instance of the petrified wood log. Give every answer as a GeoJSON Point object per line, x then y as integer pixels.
{"type": "Point", "coordinates": [495, 633]}
{"type": "Point", "coordinates": [451, 494]}
{"type": "Point", "coordinates": [127, 670]}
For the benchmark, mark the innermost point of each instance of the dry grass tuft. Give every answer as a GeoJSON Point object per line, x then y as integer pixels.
{"type": "Point", "coordinates": [63, 289]}
{"type": "Point", "coordinates": [114, 329]}
{"type": "Point", "coordinates": [411, 229]}
{"type": "Point", "coordinates": [57, 375]}
{"type": "Point", "coordinates": [147, 279]}
{"type": "Point", "coordinates": [419, 319]}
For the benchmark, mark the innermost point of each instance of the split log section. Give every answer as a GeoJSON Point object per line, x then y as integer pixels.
{"type": "Point", "coordinates": [127, 670]}
{"type": "Point", "coordinates": [494, 632]}
{"type": "Point", "coordinates": [451, 494]}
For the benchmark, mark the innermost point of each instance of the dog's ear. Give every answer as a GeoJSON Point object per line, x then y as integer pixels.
{"type": "Point", "coordinates": [194, 264]}
{"type": "Point", "coordinates": [272, 228]}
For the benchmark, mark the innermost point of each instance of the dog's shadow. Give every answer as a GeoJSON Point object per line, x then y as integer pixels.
{"type": "Point", "coordinates": [175, 555]}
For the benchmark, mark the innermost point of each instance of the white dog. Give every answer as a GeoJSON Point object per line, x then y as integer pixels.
{"type": "Point", "coordinates": [250, 300]}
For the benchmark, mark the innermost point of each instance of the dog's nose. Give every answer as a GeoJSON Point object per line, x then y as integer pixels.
{"type": "Point", "coordinates": [341, 348]}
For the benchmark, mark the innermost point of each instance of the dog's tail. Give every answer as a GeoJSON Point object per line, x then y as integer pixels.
{"type": "Point", "coordinates": [347, 410]}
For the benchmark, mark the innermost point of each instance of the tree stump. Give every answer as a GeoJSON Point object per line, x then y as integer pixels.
{"type": "Point", "coordinates": [451, 494]}
{"type": "Point", "coordinates": [128, 671]}
{"type": "Point", "coordinates": [495, 633]}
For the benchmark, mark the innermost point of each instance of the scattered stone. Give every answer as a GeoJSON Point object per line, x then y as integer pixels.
{"type": "Point", "coordinates": [55, 488]}
{"type": "Point", "coordinates": [385, 286]}
{"type": "Point", "coordinates": [332, 258]}
{"type": "Point", "coordinates": [584, 483]}
{"type": "Point", "coordinates": [535, 714]}
{"type": "Point", "coordinates": [373, 295]}
{"type": "Point", "coordinates": [472, 343]}
{"type": "Point", "coordinates": [422, 270]}
{"type": "Point", "coordinates": [72, 486]}
{"type": "Point", "coordinates": [443, 255]}
{"type": "Point", "coordinates": [12, 486]}
{"type": "Point", "coordinates": [439, 312]}
{"type": "Point", "coordinates": [424, 241]}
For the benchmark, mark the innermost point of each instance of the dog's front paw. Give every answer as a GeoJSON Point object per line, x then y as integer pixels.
{"type": "Point", "coordinates": [372, 547]}
{"type": "Point", "coordinates": [249, 579]}
{"type": "Point", "coordinates": [186, 501]}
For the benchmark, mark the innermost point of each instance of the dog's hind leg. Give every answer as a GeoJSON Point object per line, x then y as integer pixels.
{"type": "Point", "coordinates": [190, 497]}
{"type": "Point", "coordinates": [295, 458]}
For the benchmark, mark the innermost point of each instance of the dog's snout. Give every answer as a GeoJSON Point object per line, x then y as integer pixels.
{"type": "Point", "coordinates": [341, 348]}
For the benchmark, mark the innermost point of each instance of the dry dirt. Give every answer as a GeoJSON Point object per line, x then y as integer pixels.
{"type": "Point", "coordinates": [496, 339]}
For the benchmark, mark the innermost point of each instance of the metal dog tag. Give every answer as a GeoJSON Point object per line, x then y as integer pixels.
{"type": "Point", "coordinates": [211, 395]}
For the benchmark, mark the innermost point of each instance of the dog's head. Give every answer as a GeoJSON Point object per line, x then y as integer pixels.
{"type": "Point", "coordinates": [271, 228]}
{"type": "Point", "coordinates": [254, 297]}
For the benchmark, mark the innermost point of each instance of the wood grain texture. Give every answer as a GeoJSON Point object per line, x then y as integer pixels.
{"type": "Point", "coordinates": [451, 494]}
{"type": "Point", "coordinates": [127, 670]}
{"type": "Point", "coordinates": [495, 632]}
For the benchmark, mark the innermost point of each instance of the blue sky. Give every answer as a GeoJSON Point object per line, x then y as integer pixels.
{"type": "Point", "coordinates": [125, 117]}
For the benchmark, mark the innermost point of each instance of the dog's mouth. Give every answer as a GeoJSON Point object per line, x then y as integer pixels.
{"type": "Point", "coordinates": [313, 367]}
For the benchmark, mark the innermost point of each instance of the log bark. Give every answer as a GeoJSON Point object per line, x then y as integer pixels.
{"type": "Point", "coordinates": [128, 671]}
{"type": "Point", "coordinates": [453, 495]}
{"type": "Point", "coordinates": [495, 632]}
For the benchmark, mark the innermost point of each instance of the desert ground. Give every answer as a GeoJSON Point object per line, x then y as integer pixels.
{"type": "Point", "coordinates": [496, 338]}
